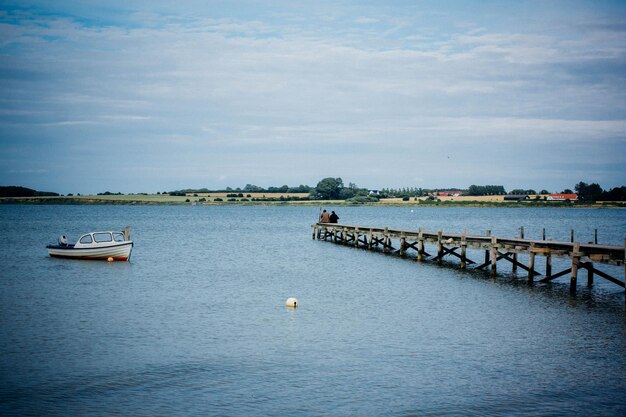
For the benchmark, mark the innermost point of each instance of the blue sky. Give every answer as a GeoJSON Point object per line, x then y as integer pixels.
{"type": "Point", "coordinates": [147, 96]}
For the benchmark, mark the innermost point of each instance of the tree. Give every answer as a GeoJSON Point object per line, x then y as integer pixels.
{"type": "Point", "coordinates": [616, 194]}
{"type": "Point", "coordinates": [476, 190]}
{"type": "Point", "coordinates": [588, 192]}
{"type": "Point", "coordinates": [16, 191]}
{"type": "Point", "coordinates": [522, 191]}
{"type": "Point", "coordinates": [250, 188]}
{"type": "Point", "coordinates": [329, 188]}
{"type": "Point", "coordinates": [300, 189]}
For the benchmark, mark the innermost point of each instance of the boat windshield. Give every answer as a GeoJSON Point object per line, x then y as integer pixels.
{"type": "Point", "coordinates": [86, 239]}
{"type": "Point", "coordinates": [118, 237]}
{"type": "Point", "coordinates": [102, 237]}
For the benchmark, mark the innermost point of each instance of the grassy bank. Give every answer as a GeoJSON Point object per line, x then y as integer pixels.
{"type": "Point", "coordinates": [286, 199]}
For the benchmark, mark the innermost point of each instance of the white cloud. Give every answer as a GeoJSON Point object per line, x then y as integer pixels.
{"type": "Point", "coordinates": [351, 82]}
{"type": "Point", "coordinates": [366, 20]}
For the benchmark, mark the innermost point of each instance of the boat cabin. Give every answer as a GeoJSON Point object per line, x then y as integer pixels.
{"type": "Point", "coordinates": [99, 238]}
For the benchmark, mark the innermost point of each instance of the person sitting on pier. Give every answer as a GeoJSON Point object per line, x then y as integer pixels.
{"type": "Point", "coordinates": [325, 217]}
{"type": "Point", "coordinates": [333, 217]}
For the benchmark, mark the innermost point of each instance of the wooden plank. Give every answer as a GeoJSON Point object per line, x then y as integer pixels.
{"type": "Point", "coordinates": [513, 260]}
{"type": "Point", "coordinates": [575, 262]}
{"type": "Point", "coordinates": [439, 247]}
{"type": "Point", "coordinates": [494, 255]}
{"type": "Point", "coordinates": [452, 251]}
{"type": "Point", "coordinates": [463, 254]}
{"type": "Point", "coordinates": [555, 276]}
{"type": "Point", "coordinates": [420, 246]}
{"type": "Point", "coordinates": [589, 266]}
{"type": "Point", "coordinates": [531, 267]}
{"type": "Point", "coordinates": [487, 246]}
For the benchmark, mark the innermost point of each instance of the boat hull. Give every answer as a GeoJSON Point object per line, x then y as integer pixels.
{"type": "Point", "coordinates": [119, 252]}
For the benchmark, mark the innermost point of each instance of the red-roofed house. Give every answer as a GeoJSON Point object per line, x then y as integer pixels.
{"type": "Point", "coordinates": [562, 197]}
{"type": "Point", "coordinates": [453, 193]}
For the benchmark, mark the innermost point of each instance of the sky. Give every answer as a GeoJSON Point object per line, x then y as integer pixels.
{"type": "Point", "coordinates": [149, 95]}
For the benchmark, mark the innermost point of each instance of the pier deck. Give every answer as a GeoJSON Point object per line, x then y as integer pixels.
{"type": "Point", "coordinates": [582, 255]}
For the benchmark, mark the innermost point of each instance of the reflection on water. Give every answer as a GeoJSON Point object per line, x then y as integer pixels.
{"type": "Point", "coordinates": [195, 324]}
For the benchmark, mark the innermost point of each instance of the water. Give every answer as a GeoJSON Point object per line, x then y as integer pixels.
{"type": "Point", "coordinates": [196, 324]}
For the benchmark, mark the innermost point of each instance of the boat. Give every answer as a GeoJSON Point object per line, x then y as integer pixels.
{"type": "Point", "coordinates": [107, 245]}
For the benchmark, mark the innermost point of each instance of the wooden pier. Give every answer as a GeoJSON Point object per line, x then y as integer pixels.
{"type": "Point", "coordinates": [398, 241]}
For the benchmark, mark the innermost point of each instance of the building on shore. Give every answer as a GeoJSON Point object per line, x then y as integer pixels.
{"type": "Point", "coordinates": [562, 197]}
{"type": "Point", "coordinates": [516, 197]}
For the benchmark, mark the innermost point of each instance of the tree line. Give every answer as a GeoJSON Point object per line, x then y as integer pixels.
{"type": "Point", "coordinates": [334, 189]}
{"type": "Point", "coordinates": [249, 188]}
{"type": "Point", "coordinates": [16, 191]}
{"type": "Point", "coordinates": [593, 192]}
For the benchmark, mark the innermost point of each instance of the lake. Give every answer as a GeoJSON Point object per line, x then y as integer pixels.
{"type": "Point", "coordinates": [195, 323]}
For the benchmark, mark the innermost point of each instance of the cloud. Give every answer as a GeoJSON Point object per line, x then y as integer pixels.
{"type": "Point", "coordinates": [511, 129]}
{"type": "Point", "coordinates": [368, 83]}
{"type": "Point", "coordinates": [366, 20]}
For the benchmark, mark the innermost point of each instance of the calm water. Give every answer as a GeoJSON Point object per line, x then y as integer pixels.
{"type": "Point", "coordinates": [195, 324]}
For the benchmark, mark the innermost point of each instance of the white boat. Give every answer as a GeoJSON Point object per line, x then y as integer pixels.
{"type": "Point", "coordinates": [95, 245]}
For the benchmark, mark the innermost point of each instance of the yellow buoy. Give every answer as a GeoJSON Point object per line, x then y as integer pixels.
{"type": "Point", "coordinates": [292, 302]}
{"type": "Point", "coordinates": [110, 259]}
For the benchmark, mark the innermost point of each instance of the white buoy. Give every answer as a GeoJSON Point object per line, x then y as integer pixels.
{"type": "Point", "coordinates": [292, 302]}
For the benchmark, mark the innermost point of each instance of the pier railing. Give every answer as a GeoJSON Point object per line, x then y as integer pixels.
{"type": "Point", "coordinates": [496, 248]}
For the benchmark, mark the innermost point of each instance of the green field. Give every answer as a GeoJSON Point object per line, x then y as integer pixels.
{"type": "Point", "coordinates": [275, 199]}
{"type": "Point", "coordinates": [162, 199]}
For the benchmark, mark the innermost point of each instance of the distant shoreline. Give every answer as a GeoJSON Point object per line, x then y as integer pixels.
{"type": "Point", "coordinates": [167, 200]}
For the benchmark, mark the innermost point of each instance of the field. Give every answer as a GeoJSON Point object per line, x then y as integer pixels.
{"type": "Point", "coordinates": [191, 198]}
{"type": "Point", "coordinates": [465, 199]}
{"type": "Point", "coordinates": [284, 199]}
{"type": "Point", "coordinates": [224, 196]}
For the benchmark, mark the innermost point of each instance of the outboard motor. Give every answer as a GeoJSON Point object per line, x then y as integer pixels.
{"type": "Point", "coordinates": [62, 240]}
